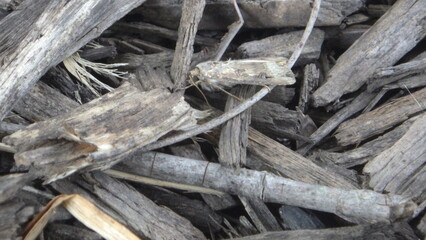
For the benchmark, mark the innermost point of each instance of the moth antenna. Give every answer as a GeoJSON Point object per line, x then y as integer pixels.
{"type": "Point", "coordinates": [195, 84]}
{"type": "Point", "coordinates": [229, 94]}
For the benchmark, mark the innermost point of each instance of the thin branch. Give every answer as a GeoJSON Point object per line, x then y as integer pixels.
{"type": "Point", "coordinates": [247, 103]}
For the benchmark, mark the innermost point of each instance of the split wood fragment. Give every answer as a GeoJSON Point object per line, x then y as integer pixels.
{"type": "Point", "coordinates": [91, 135]}
{"type": "Point", "coordinates": [67, 26]}
{"type": "Point", "coordinates": [379, 47]}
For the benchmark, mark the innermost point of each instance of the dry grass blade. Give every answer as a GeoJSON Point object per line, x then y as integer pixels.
{"type": "Point", "coordinates": [77, 67]}
{"type": "Point", "coordinates": [86, 212]}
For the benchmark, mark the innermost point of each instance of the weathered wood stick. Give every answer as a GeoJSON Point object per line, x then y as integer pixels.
{"type": "Point", "coordinates": [366, 152]}
{"type": "Point", "coordinates": [359, 103]}
{"type": "Point", "coordinates": [400, 169]}
{"type": "Point", "coordinates": [192, 10]}
{"type": "Point", "coordinates": [379, 47]}
{"type": "Point", "coordinates": [42, 34]}
{"type": "Point", "coordinates": [380, 119]}
{"type": "Point", "coordinates": [359, 206]}
{"type": "Point", "coordinates": [257, 14]}
{"type": "Point", "coordinates": [92, 134]}
{"type": "Point", "coordinates": [391, 232]}
{"type": "Point", "coordinates": [391, 74]}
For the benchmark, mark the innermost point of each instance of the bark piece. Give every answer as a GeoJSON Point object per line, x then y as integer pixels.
{"type": "Point", "coordinates": [69, 232]}
{"type": "Point", "coordinates": [13, 214]}
{"type": "Point", "coordinates": [260, 214]}
{"type": "Point", "coordinates": [150, 77]}
{"type": "Point", "coordinates": [381, 119]}
{"type": "Point", "coordinates": [311, 75]}
{"type": "Point", "coordinates": [378, 47]}
{"type": "Point", "coordinates": [279, 122]}
{"type": "Point", "coordinates": [280, 94]}
{"type": "Point", "coordinates": [43, 102]}
{"type": "Point", "coordinates": [353, 205]}
{"type": "Point", "coordinates": [234, 134]}
{"type": "Point", "coordinates": [192, 10]}
{"type": "Point", "coordinates": [367, 151]}
{"type": "Point", "coordinates": [295, 218]}
{"type": "Point", "coordinates": [57, 77]}
{"type": "Point", "coordinates": [200, 215]}
{"type": "Point", "coordinates": [283, 46]}
{"type": "Point", "coordinates": [391, 74]}
{"type": "Point", "coordinates": [293, 165]}
{"type": "Point", "coordinates": [151, 29]}
{"type": "Point", "coordinates": [90, 135]}
{"type": "Point", "coordinates": [357, 104]}
{"type": "Point", "coordinates": [256, 14]}
{"type": "Point", "coordinates": [422, 226]}
{"type": "Point", "coordinates": [67, 26]}
{"type": "Point", "coordinates": [95, 54]}
{"type": "Point", "coordinates": [400, 169]}
{"type": "Point", "coordinates": [398, 231]}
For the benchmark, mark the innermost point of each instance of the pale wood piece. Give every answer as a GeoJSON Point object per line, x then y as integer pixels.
{"type": "Point", "coordinates": [66, 27]}
{"type": "Point", "coordinates": [378, 47]}
{"type": "Point", "coordinates": [257, 14]}
{"type": "Point", "coordinates": [353, 205]}
{"type": "Point", "coordinates": [400, 169]}
{"type": "Point", "coordinates": [283, 46]}
{"type": "Point", "coordinates": [91, 135]}
{"type": "Point", "coordinates": [192, 10]}
{"type": "Point", "coordinates": [233, 139]}
{"type": "Point", "coordinates": [397, 231]}
{"type": "Point", "coordinates": [43, 102]}
{"type": "Point", "coordinates": [381, 119]}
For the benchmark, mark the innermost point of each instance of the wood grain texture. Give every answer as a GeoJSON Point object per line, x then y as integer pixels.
{"type": "Point", "coordinates": [401, 168]}
{"type": "Point", "coordinates": [94, 132]}
{"type": "Point", "coordinates": [381, 119]}
{"type": "Point", "coordinates": [390, 38]}
{"type": "Point", "coordinates": [192, 10]}
{"type": "Point", "coordinates": [41, 34]}
{"type": "Point", "coordinates": [256, 14]}
{"type": "Point", "coordinates": [283, 45]}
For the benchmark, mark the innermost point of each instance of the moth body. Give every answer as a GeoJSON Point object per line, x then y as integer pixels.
{"type": "Point", "coordinates": [225, 74]}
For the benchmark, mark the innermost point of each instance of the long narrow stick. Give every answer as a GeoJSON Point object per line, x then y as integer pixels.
{"type": "Point", "coordinates": [359, 206]}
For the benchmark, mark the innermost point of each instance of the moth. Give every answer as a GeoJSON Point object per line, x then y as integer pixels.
{"type": "Point", "coordinates": [214, 75]}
